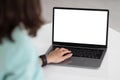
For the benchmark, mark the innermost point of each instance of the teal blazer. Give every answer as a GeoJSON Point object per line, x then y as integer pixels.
{"type": "Point", "coordinates": [18, 59]}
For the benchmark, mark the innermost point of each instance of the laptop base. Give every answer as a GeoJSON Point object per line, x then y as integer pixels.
{"type": "Point", "coordinates": [80, 61]}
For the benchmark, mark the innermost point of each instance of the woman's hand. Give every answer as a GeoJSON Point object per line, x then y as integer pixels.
{"type": "Point", "coordinates": [58, 55]}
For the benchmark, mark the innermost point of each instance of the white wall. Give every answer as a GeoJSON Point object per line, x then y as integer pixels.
{"type": "Point", "coordinates": [112, 5]}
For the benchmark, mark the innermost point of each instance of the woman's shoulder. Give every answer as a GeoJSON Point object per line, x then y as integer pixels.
{"type": "Point", "coordinates": [19, 57]}
{"type": "Point", "coordinates": [15, 51]}
{"type": "Point", "coordinates": [20, 43]}
{"type": "Point", "coordinates": [19, 37]}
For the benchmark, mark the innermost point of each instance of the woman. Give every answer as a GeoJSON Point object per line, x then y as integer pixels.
{"type": "Point", "coordinates": [18, 58]}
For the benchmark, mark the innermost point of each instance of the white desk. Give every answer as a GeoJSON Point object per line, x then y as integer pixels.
{"type": "Point", "coordinates": [109, 70]}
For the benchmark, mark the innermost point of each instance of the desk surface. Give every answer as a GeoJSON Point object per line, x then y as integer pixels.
{"type": "Point", "coordinates": [109, 70]}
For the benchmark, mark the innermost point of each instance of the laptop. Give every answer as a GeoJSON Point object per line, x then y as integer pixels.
{"type": "Point", "coordinates": [84, 32]}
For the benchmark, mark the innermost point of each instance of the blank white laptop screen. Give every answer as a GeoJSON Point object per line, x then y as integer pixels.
{"type": "Point", "coordinates": [80, 26]}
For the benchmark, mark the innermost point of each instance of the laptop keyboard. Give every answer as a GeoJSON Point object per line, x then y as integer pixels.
{"type": "Point", "coordinates": [82, 52]}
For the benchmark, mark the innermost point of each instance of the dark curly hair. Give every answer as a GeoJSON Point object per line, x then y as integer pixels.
{"type": "Point", "coordinates": [14, 12]}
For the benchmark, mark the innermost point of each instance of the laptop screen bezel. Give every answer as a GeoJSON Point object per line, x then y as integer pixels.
{"type": "Point", "coordinates": [80, 44]}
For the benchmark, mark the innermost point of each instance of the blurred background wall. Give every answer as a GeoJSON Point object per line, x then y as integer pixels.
{"type": "Point", "coordinates": [112, 5]}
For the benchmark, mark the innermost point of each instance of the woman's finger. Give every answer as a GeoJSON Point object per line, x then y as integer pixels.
{"type": "Point", "coordinates": [64, 52]}
{"type": "Point", "coordinates": [63, 49]}
{"type": "Point", "coordinates": [66, 56]}
{"type": "Point", "coordinates": [57, 49]}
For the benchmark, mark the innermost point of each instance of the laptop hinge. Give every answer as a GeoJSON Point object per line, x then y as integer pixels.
{"type": "Point", "coordinates": [78, 45]}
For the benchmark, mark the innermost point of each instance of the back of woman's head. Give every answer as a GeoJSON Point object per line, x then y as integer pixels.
{"type": "Point", "coordinates": [14, 12]}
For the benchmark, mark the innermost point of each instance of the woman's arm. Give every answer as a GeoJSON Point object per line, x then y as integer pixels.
{"type": "Point", "coordinates": [57, 56]}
